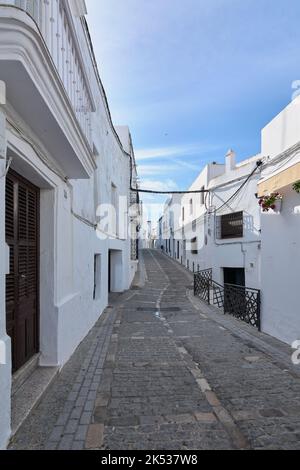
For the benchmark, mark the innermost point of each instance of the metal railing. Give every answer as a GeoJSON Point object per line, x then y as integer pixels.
{"type": "Point", "coordinates": [241, 302]}
{"type": "Point", "coordinates": [202, 282]}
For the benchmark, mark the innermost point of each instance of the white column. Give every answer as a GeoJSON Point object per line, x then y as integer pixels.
{"type": "Point", "coordinates": [5, 346]}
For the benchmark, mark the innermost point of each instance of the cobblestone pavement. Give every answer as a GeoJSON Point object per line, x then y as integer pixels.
{"type": "Point", "coordinates": [162, 371]}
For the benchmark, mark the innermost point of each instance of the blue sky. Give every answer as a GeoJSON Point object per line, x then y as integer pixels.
{"type": "Point", "coordinates": [192, 78]}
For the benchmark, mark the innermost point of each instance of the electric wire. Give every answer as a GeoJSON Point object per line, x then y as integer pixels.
{"type": "Point", "coordinates": [235, 194]}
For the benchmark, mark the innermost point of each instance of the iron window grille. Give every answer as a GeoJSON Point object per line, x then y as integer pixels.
{"type": "Point", "coordinates": [232, 225]}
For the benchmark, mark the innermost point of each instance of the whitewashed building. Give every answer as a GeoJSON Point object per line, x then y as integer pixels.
{"type": "Point", "coordinates": [227, 230]}
{"type": "Point", "coordinates": [280, 254]}
{"type": "Point", "coordinates": [232, 225]}
{"type": "Point", "coordinates": [210, 232]}
{"type": "Point", "coordinates": [60, 158]}
{"type": "Point", "coordinates": [169, 226]}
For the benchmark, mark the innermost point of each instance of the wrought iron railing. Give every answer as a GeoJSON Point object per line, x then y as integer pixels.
{"type": "Point", "coordinates": [202, 280]}
{"type": "Point", "coordinates": [241, 302]}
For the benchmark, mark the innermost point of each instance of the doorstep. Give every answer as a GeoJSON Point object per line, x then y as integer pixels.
{"type": "Point", "coordinates": [28, 387]}
{"type": "Point", "coordinates": [22, 374]}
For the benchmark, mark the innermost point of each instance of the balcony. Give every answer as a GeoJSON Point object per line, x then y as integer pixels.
{"type": "Point", "coordinates": [43, 66]}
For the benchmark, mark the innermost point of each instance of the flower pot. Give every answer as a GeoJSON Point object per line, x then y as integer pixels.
{"type": "Point", "coordinates": [276, 210]}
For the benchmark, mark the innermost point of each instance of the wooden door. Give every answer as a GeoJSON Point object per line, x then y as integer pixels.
{"type": "Point", "coordinates": [22, 237]}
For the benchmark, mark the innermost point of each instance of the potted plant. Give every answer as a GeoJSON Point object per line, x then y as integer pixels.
{"type": "Point", "coordinates": [271, 202]}
{"type": "Point", "coordinates": [296, 187]}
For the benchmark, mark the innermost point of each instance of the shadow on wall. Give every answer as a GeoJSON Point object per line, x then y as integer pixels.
{"type": "Point", "coordinates": [249, 227]}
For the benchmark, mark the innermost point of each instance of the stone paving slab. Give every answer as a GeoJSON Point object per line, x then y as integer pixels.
{"type": "Point", "coordinates": [61, 419]}
{"type": "Point", "coordinates": [161, 371]}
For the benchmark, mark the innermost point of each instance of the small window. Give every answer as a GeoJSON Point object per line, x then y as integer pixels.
{"type": "Point", "coordinates": [232, 225]}
{"type": "Point", "coordinates": [194, 247]}
{"type": "Point", "coordinates": [191, 207]}
{"type": "Point", "coordinates": [202, 196]}
{"type": "Point", "coordinates": [97, 277]}
{"type": "Point", "coordinates": [194, 225]}
{"type": "Point", "coordinates": [183, 213]}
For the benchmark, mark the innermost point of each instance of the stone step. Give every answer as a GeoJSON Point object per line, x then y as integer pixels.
{"type": "Point", "coordinates": [29, 393]}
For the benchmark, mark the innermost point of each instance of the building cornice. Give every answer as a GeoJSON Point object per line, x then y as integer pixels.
{"type": "Point", "coordinates": [22, 42]}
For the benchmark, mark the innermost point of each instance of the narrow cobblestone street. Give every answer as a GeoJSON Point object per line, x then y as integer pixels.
{"type": "Point", "coordinates": [162, 371]}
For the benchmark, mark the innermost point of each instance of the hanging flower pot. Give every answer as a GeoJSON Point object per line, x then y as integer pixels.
{"type": "Point", "coordinates": [296, 187]}
{"type": "Point", "coordinates": [271, 203]}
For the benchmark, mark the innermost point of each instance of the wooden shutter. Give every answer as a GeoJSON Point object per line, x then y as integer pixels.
{"type": "Point", "coordinates": [22, 237]}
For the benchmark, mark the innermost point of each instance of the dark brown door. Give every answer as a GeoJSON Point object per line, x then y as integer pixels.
{"type": "Point", "coordinates": [234, 296]}
{"type": "Point", "coordinates": [22, 237]}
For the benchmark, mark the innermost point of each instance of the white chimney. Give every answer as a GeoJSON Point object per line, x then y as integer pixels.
{"type": "Point", "coordinates": [230, 160]}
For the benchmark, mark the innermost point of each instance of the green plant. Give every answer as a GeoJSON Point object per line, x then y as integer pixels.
{"type": "Point", "coordinates": [269, 201]}
{"type": "Point", "coordinates": [296, 187]}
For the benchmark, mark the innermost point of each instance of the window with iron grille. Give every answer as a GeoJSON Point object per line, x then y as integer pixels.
{"type": "Point", "coordinates": [194, 246]}
{"type": "Point", "coordinates": [232, 225]}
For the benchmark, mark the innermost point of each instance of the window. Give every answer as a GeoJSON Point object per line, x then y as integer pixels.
{"type": "Point", "coordinates": [97, 277]}
{"type": "Point", "coordinates": [202, 196]}
{"type": "Point", "coordinates": [232, 225]}
{"type": "Point", "coordinates": [194, 247]}
{"type": "Point", "coordinates": [194, 225]}
{"type": "Point", "coordinates": [183, 213]}
{"type": "Point", "coordinates": [191, 206]}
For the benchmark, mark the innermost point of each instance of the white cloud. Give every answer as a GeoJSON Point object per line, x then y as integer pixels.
{"type": "Point", "coordinates": [191, 166]}
{"type": "Point", "coordinates": [152, 211]}
{"type": "Point", "coordinates": [163, 152]}
{"type": "Point", "coordinates": [167, 152]}
{"type": "Point", "coordinates": [159, 185]}
{"type": "Point", "coordinates": [154, 170]}
{"type": "Point", "coordinates": [176, 166]}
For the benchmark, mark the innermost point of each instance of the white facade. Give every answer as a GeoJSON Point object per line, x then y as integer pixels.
{"type": "Point", "coordinates": [56, 128]}
{"type": "Point", "coordinates": [242, 252]}
{"type": "Point", "coordinates": [280, 257]}
{"type": "Point", "coordinates": [170, 226]}
{"type": "Point", "coordinates": [198, 243]}
{"type": "Point", "coordinates": [268, 252]}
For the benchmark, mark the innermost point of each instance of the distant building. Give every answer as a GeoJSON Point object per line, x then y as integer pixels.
{"type": "Point", "coordinates": [280, 254]}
